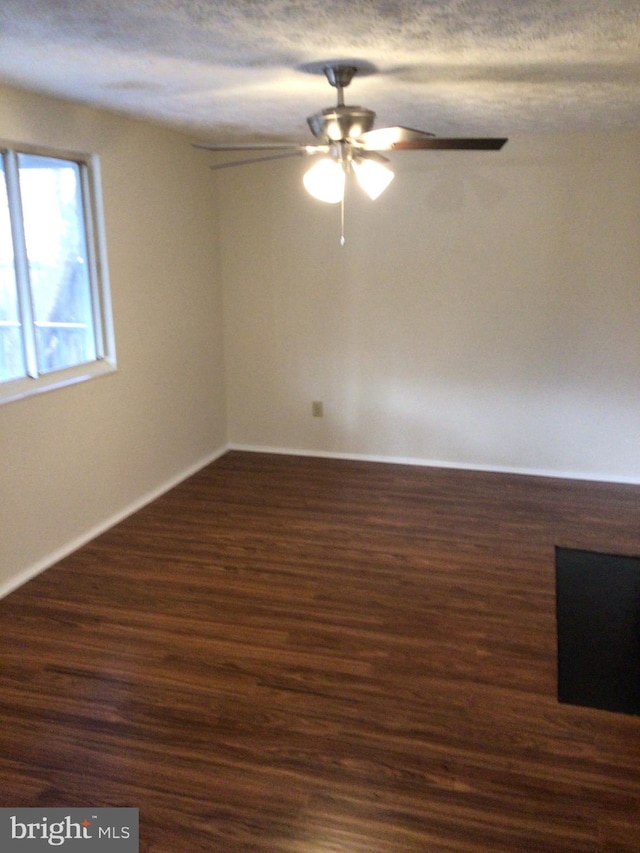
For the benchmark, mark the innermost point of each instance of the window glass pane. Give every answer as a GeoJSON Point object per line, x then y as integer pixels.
{"type": "Point", "coordinates": [12, 364]}
{"type": "Point", "coordinates": [56, 243]}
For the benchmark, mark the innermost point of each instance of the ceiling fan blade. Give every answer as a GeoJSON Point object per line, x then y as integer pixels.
{"type": "Point", "coordinates": [454, 144]}
{"type": "Point", "coordinates": [386, 138]}
{"type": "Point", "coordinates": [408, 139]}
{"type": "Point", "coordinates": [251, 146]}
{"type": "Point", "coordinates": [301, 152]}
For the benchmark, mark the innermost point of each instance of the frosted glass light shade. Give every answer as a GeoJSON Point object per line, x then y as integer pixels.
{"type": "Point", "coordinates": [325, 181]}
{"type": "Point", "coordinates": [373, 177]}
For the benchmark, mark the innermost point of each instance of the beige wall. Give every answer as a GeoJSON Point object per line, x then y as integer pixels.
{"type": "Point", "coordinates": [484, 311]}
{"type": "Point", "coordinates": [75, 459]}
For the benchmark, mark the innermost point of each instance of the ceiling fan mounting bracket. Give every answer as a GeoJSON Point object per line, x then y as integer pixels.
{"type": "Point", "coordinates": [340, 76]}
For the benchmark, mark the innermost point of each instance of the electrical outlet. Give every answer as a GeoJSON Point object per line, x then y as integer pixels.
{"type": "Point", "coordinates": [317, 409]}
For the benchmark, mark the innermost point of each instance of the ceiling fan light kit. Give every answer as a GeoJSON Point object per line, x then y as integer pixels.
{"type": "Point", "coordinates": [326, 179]}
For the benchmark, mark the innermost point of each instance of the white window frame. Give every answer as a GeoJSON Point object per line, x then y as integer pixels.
{"type": "Point", "coordinates": [91, 190]}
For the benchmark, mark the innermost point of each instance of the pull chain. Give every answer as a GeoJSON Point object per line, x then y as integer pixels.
{"type": "Point", "coordinates": [342, 221]}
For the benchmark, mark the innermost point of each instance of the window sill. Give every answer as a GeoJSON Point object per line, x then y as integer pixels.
{"type": "Point", "coordinates": [19, 389]}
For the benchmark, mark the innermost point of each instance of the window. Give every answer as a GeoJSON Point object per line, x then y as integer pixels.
{"type": "Point", "coordinates": [55, 322]}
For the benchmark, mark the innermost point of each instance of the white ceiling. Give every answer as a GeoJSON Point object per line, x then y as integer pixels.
{"type": "Point", "coordinates": [230, 70]}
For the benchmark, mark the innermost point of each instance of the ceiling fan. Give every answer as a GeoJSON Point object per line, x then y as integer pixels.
{"type": "Point", "coordinates": [346, 137]}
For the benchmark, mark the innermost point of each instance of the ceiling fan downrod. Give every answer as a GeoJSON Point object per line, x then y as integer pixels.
{"type": "Point", "coordinates": [339, 76]}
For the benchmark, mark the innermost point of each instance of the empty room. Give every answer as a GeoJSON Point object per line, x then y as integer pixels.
{"type": "Point", "coordinates": [320, 427]}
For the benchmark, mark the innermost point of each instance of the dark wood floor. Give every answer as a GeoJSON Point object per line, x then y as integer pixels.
{"type": "Point", "coordinates": [298, 655]}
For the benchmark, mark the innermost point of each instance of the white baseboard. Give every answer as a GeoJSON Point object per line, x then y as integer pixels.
{"type": "Point", "coordinates": [441, 463]}
{"type": "Point", "coordinates": [69, 547]}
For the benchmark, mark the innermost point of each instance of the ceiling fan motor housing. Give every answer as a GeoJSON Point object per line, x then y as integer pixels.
{"type": "Point", "coordinates": [340, 123]}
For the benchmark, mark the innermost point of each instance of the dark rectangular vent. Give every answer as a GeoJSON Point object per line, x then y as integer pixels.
{"type": "Point", "coordinates": [598, 612]}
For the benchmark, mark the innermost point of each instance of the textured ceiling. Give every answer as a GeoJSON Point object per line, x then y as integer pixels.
{"type": "Point", "coordinates": [228, 70]}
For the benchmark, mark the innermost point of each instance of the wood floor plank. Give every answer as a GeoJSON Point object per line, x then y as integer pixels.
{"type": "Point", "coordinates": [311, 655]}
